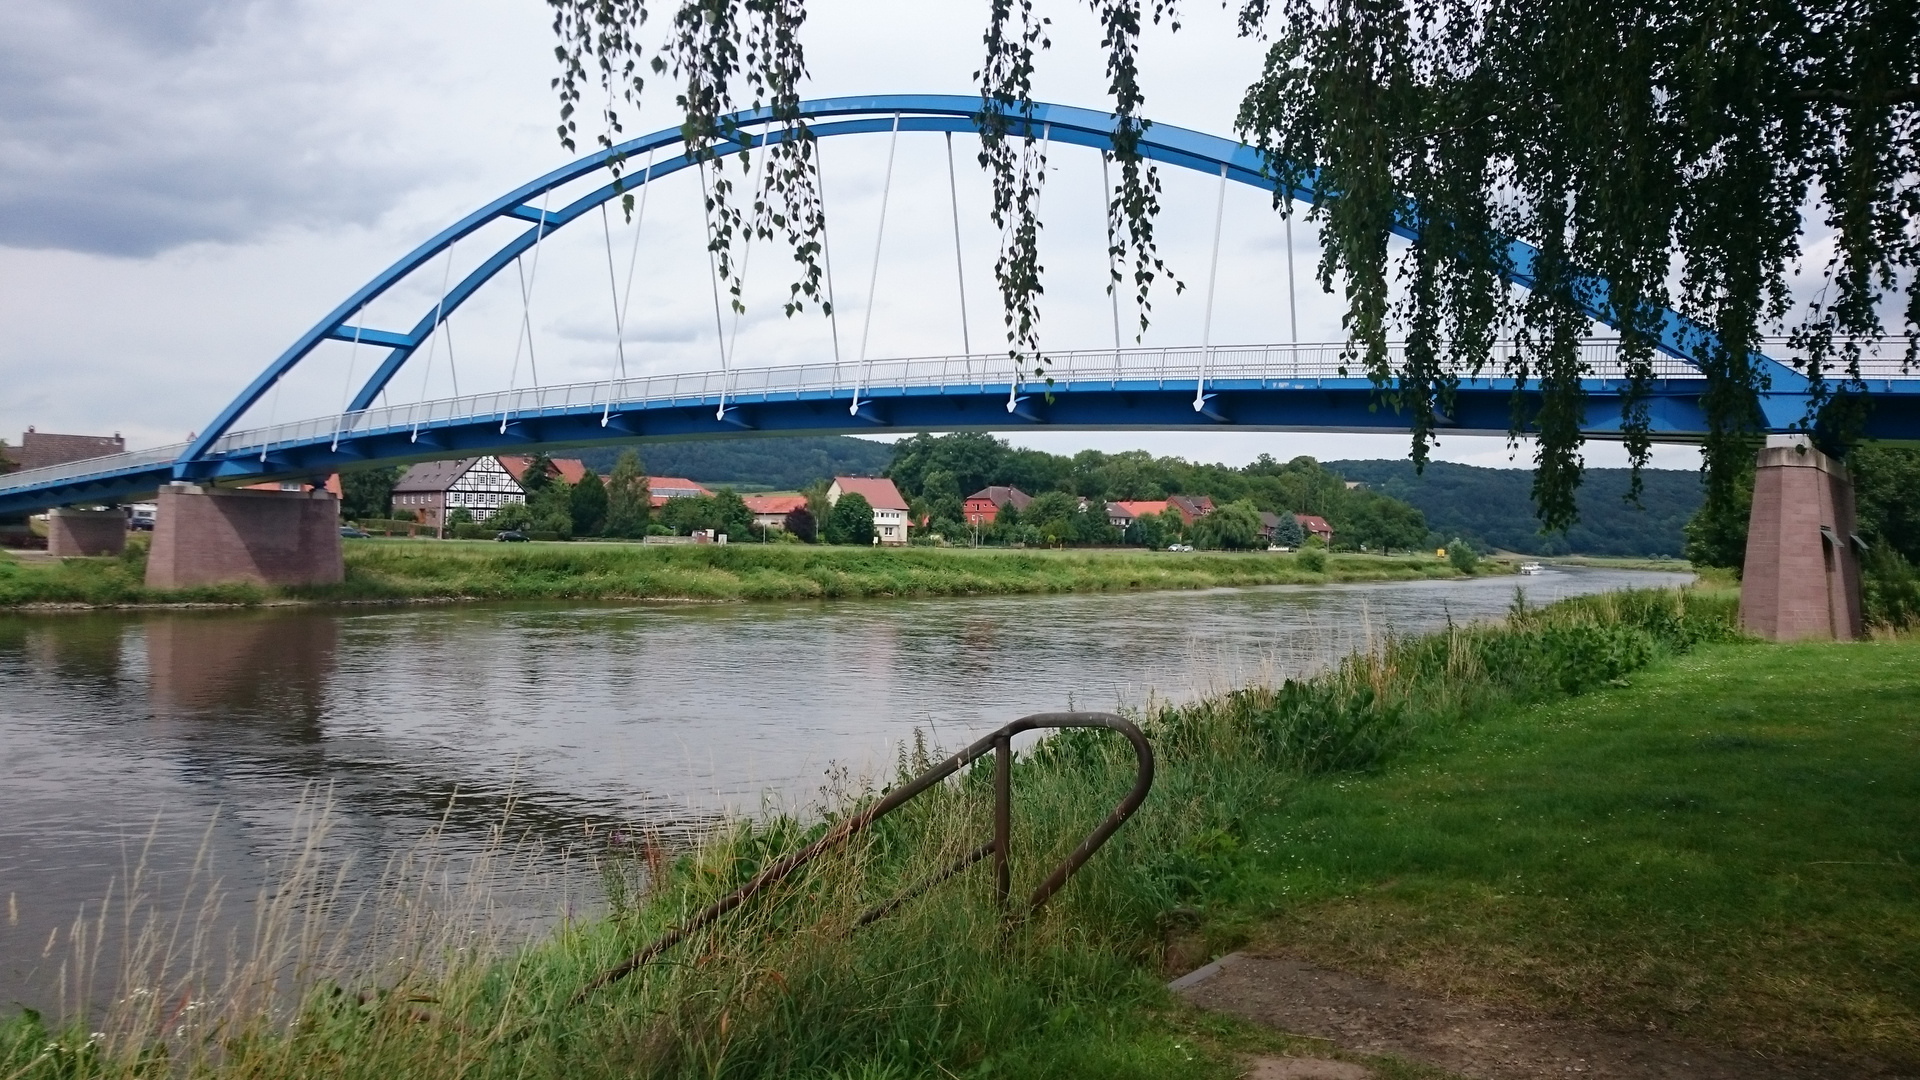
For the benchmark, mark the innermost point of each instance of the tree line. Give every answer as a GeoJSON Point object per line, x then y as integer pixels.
{"type": "Point", "coordinates": [936, 473]}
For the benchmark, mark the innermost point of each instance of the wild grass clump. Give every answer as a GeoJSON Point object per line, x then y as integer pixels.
{"type": "Point", "coordinates": [788, 985]}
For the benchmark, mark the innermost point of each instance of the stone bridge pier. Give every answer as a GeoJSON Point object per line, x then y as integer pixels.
{"type": "Point", "coordinates": [86, 532]}
{"type": "Point", "coordinates": [1802, 573]}
{"type": "Point", "coordinates": [212, 536]}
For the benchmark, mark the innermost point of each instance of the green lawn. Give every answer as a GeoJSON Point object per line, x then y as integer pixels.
{"type": "Point", "coordinates": [1728, 847]}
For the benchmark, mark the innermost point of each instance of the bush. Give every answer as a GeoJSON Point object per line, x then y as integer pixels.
{"type": "Point", "coordinates": [474, 530]}
{"type": "Point", "coordinates": [1313, 560]}
{"type": "Point", "coordinates": [1462, 557]}
{"type": "Point", "coordinates": [1889, 589]}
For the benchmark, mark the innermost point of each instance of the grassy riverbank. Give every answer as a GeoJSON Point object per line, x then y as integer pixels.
{"type": "Point", "coordinates": [1610, 809]}
{"type": "Point", "coordinates": [400, 570]}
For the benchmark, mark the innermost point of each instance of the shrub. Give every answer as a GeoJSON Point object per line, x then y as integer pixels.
{"type": "Point", "coordinates": [1889, 589]}
{"type": "Point", "coordinates": [1313, 560]}
{"type": "Point", "coordinates": [1462, 557]}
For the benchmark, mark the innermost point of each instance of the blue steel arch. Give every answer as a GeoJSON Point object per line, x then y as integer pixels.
{"type": "Point", "coordinates": [1162, 143]}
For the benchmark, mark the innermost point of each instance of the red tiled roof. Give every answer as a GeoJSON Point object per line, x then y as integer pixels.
{"type": "Point", "coordinates": [1314, 523]}
{"type": "Point", "coordinates": [572, 470]}
{"type": "Point", "coordinates": [878, 491]}
{"type": "Point", "coordinates": [774, 504]}
{"type": "Point", "coordinates": [1141, 509]}
{"type": "Point", "coordinates": [1000, 496]}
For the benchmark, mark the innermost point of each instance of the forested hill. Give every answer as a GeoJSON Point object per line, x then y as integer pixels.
{"type": "Point", "coordinates": [777, 462]}
{"type": "Point", "coordinates": [1494, 506]}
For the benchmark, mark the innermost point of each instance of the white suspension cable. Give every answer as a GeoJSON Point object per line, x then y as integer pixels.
{"type": "Point", "coordinates": [733, 338]}
{"type": "Point", "coordinates": [1113, 283]}
{"type": "Point", "coordinates": [433, 337]}
{"type": "Point", "coordinates": [960, 271]}
{"type": "Point", "coordinates": [619, 367]}
{"type": "Point", "coordinates": [1293, 310]}
{"type": "Point", "coordinates": [713, 275]}
{"type": "Point", "coordinates": [826, 256]}
{"type": "Point", "coordinates": [353, 358]}
{"type": "Point", "coordinates": [623, 301]}
{"type": "Point", "coordinates": [873, 279]}
{"type": "Point", "coordinates": [527, 280]}
{"type": "Point", "coordinates": [1213, 273]}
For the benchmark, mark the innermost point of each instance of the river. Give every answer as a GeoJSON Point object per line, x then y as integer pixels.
{"type": "Point", "coordinates": [190, 737]}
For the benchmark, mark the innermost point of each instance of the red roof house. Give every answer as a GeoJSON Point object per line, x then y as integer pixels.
{"type": "Point", "coordinates": [1314, 525]}
{"type": "Point", "coordinates": [984, 505]}
{"type": "Point", "coordinates": [889, 508]}
{"type": "Point", "coordinates": [1122, 514]}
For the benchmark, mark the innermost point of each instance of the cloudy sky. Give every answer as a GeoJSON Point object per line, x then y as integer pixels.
{"type": "Point", "coordinates": [187, 185]}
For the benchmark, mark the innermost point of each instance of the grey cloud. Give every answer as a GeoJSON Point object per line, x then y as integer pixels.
{"type": "Point", "coordinates": [128, 127]}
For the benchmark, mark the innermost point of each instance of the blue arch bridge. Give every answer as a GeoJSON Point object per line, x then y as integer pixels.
{"type": "Point", "coordinates": [1273, 387]}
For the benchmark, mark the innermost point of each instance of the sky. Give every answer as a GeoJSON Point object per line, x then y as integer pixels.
{"type": "Point", "coordinates": [188, 185]}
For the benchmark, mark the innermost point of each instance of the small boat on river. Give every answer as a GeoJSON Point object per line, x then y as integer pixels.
{"type": "Point", "coordinates": [1531, 568]}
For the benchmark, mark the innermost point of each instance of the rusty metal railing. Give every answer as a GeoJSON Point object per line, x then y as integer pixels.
{"type": "Point", "coordinates": [1000, 743]}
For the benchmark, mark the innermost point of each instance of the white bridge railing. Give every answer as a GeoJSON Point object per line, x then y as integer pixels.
{"type": "Point", "coordinates": [979, 371]}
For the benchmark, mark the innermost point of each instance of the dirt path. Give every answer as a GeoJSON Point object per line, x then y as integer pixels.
{"type": "Point", "coordinates": [1373, 1017]}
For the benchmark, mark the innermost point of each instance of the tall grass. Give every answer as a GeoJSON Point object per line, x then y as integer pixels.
{"type": "Point", "coordinates": [787, 986]}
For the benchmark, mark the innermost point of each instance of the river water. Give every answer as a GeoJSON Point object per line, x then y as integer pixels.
{"type": "Point", "coordinates": [189, 738]}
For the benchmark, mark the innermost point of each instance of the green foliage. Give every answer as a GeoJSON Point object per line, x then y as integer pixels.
{"type": "Point", "coordinates": [1635, 146]}
{"type": "Point", "coordinates": [1493, 507]}
{"type": "Point", "coordinates": [537, 476]}
{"type": "Point", "coordinates": [629, 504]}
{"type": "Point", "coordinates": [1289, 532]}
{"type": "Point", "coordinates": [1717, 532]}
{"type": "Point", "coordinates": [722, 512]}
{"type": "Point", "coordinates": [1232, 527]}
{"type": "Point", "coordinates": [779, 462]}
{"type": "Point", "coordinates": [551, 505]}
{"type": "Point", "coordinates": [800, 525]}
{"type": "Point", "coordinates": [589, 505]}
{"type": "Point", "coordinates": [7, 464]}
{"type": "Point", "coordinates": [368, 493]}
{"type": "Point", "coordinates": [1313, 558]}
{"type": "Point", "coordinates": [1462, 557]}
{"type": "Point", "coordinates": [514, 516]}
{"type": "Point", "coordinates": [459, 516]}
{"type": "Point", "coordinates": [1890, 591]}
{"type": "Point", "coordinates": [475, 530]}
{"type": "Point", "coordinates": [1375, 522]}
{"type": "Point", "coordinates": [851, 520]}
{"type": "Point", "coordinates": [1886, 492]}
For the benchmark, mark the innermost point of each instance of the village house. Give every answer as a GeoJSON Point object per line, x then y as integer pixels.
{"type": "Point", "coordinates": [889, 509]}
{"type": "Point", "coordinates": [571, 470]}
{"type": "Point", "coordinates": [984, 505]}
{"type": "Point", "coordinates": [662, 488]}
{"type": "Point", "coordinates": [1314, 525]}
{"type": "Point", "coordinates": [479, 485]}
{"type": "Point", "coordinates": [1121, 515]}
{"type": "Point", "coordinates": [770, 511]}
{"type": "Point", "coordinates": [39, 449]}
{"type": "Point", "coordinates": [1192, 507]}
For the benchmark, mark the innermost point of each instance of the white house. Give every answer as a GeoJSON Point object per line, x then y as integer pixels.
{"type": "Point", "coordinates": [434, 489]}
{"type": "Point", "coordinates": [889, 509]}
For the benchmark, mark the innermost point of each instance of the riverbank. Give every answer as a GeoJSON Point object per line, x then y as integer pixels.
{"type": "Point", "coordinates": [395, 571]}
{"type": "Point", "coordinates": [1611, 809]}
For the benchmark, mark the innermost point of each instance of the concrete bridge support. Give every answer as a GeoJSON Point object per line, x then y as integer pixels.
{"type": "Point", "coordinates": [86, 532]}
{"type": "Point", "coordinates": [1802, 575]}
{"type": "Point", "coordinates": [212, 536]}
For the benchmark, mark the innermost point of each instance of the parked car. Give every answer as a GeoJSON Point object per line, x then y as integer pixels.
{"type": "Point", "coordinates": [353, 532]}
{"type": "Point", "coordinates": [511, 536]}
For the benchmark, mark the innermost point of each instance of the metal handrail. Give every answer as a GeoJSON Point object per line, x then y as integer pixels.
{"type": "Point", "coordinates": [1001, 744]}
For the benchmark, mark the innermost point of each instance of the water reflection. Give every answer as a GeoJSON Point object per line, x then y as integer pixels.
{"type": "Point", "coordinates": [659, 715]}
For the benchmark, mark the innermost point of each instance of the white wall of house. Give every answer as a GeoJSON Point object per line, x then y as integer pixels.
{"type": "Point", "coordinates": [483, 489]}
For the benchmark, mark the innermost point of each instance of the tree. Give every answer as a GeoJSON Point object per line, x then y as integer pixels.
{"type": "Point", "coordinates": [1051, 514]}
{"type": "Point", "coordinates": [629, 503]}
{"type": "Point", "coordinates": [589, 505]}
{"type": "Point", "coordinates": [940, 497]}
{"type": "Point", "coordinates": [512, 517]}
{"type": "Point", "coordinates": [852, 520]}
{"type": "Point", "coordinates": [800, 525]}
{"type": "Point", "coordinates": [819, 506]}
{"type": "Point", "coordinates": [1288, 533]}
{"type": "Point", "coordinates": [368, 493]}
{"type": "Point", "coordinates": [551, 505]}
{"type": "Point", "coordinates": [1886, 484]}
{"type": "Point", "coordinates": [536, 476]}
{"type": "Point", "coordinates": [1462, 557]}
{"type": "Point", "coordinates": [458, 516]}
{"type": "Point", "coordinates": [7, 464]}
{"type": "Point", "coordinates": [1651, 154]}
{"type": "Point", "coordinates": [1233, 527]}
